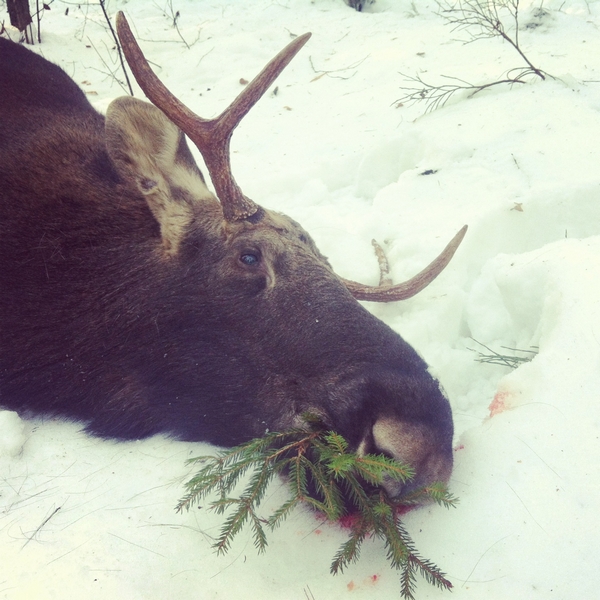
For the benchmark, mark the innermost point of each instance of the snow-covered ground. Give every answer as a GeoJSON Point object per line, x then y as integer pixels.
{"type": "Point", "coordinates": [87, 518]}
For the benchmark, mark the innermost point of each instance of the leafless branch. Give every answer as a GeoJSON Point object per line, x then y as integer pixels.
{"type": "Point", "coordinates": [479, 19]}
{"type": "Point", "coordinates": [112, 31]}
{"type": "Point", "coordinates": [384, 265]}
{"type": "Point", "coordinates": [40, 526]}
{"type": "Point", "coordinates": [111, 72]}
{"type": "Point", "coordinates": [174, 15]}
{"type": "Point", "coordinates": [482, 19]}
{"type": "Point", "coordinates": [321, 73]}
{"type": "Point", "coordinates": [436, 96]}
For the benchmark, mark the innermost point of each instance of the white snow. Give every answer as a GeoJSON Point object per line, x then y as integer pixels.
{"type": "Point", "coordinates": [82, 517]}
{"type": "Point", "coordinates": [12, 433]}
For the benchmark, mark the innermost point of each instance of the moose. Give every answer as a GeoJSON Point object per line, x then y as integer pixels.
{"type": "Point", "coordinates": [136, 301]}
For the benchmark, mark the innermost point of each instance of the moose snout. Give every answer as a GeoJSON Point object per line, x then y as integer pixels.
{"type": "Point", "coordinates": [415, 444]}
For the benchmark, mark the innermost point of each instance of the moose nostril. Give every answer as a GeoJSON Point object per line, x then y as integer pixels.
{"type": "Point", "coordinates": [386, 454]}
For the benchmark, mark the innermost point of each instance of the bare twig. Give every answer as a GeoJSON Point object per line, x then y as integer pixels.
{"type": "Point", "coordinates": [308, 593]}
{"type": "Point", "coordinates": [480, 19]}
{"type": "Point", "coordinates": [110, 72]}
{"type": "Point", "coordinates": [174, 15]}
{"type": "Point", "coordinates": [112, 31]}
{"type": "Point", "coordinates": [321, 73]}
{"type": "Point", "coordinates": [495, 358]}
{"type": "Point", "coordinates": [436, 96]}
{"type": "Point", "coordinates": [483, 19]}
{"type": "Point", "coordinates": [384, 265]}
{"type": "Point", "coordinates": [41, 525]}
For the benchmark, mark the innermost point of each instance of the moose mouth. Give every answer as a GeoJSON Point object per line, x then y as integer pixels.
{"type": "Point", "coordinates": [357, 493]}
{"type": "Point", "coordinates": [399, 463]}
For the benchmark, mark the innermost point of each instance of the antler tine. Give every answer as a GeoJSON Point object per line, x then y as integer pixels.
{"type": "Point", "coordinates": [402, 291]}
{"type": "Point", "coordinates": [211, 136]}
{"type": "Point", "coordinates": [252, 93]}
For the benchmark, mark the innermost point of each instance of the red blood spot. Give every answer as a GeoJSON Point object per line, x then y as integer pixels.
{"type": "Point", "coordinates": [374, 578]}
{"type": "Point", "coordinates": [318, 531]}
{"type": "Point", "coordinates": [348, 521]}
{"type": "Point", "coordinates": [350, 586]}
{"type": "Point", "coordinates": [499, 403]}
{"type": "Point", "coordinates": [402, 510]}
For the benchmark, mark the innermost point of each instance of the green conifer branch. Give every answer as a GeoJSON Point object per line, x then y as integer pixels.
{"type": "Point", "coordinates": [349, 551]}
{"type": "Point", "coordinates": [232, 526]}
{"type": "Point", "coordinates": [283, 511]}
{"type": "Point", "coordinates": [322, 473]}
{"type": "Point", "coordinates": [408, 580]}
{"type": "Point", "coordinates": [260, 538]}
{"type": "Point", "coordinates": [329, 490]}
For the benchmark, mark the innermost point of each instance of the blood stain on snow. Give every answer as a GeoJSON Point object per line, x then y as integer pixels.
{"type": "Point", "coordinates": [499, 404]}
{"type": "Point", "coordinates": [369, 581]}
{"type": "Point", "coordinates": [348, 521]}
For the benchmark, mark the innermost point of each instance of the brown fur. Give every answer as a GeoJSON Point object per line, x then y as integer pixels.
{"type": "Point", "coordinates": [129, 303]}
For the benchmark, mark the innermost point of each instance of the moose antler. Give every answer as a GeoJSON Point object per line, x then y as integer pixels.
{"type": "Point", "coordinates": [211, 136]}
{"type": "Point", "coordinates": [402, 291]}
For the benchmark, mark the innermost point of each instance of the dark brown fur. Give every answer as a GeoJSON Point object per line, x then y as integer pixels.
{"type": "Point", "coordinates": [124, 301]}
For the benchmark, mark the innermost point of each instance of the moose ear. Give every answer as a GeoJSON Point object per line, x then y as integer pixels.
{"type": "Point", "coordinates": [150, 153]}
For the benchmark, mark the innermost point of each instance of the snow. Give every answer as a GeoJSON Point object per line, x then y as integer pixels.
{"type": "Point", "coordinates": [84, 517]}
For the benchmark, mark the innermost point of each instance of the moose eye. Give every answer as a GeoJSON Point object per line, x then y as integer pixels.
{"type": "Point", "coordinates": [249, 259]}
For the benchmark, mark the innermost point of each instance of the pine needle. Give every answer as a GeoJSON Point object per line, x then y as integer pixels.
{"type": "Point", "coordinates": [506, 360]}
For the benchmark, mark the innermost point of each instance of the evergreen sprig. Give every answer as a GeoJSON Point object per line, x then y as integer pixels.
{"type": "Point", "coordinates": [322, 473]}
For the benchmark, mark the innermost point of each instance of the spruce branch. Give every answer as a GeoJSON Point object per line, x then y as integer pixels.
{"type": "Point", "coordinates": [322, 473]}
{"type": "Point", "coordinates": [349, 551]}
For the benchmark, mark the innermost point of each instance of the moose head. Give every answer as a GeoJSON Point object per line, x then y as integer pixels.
{"type": "Point", "coordinates": [135, 300]}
